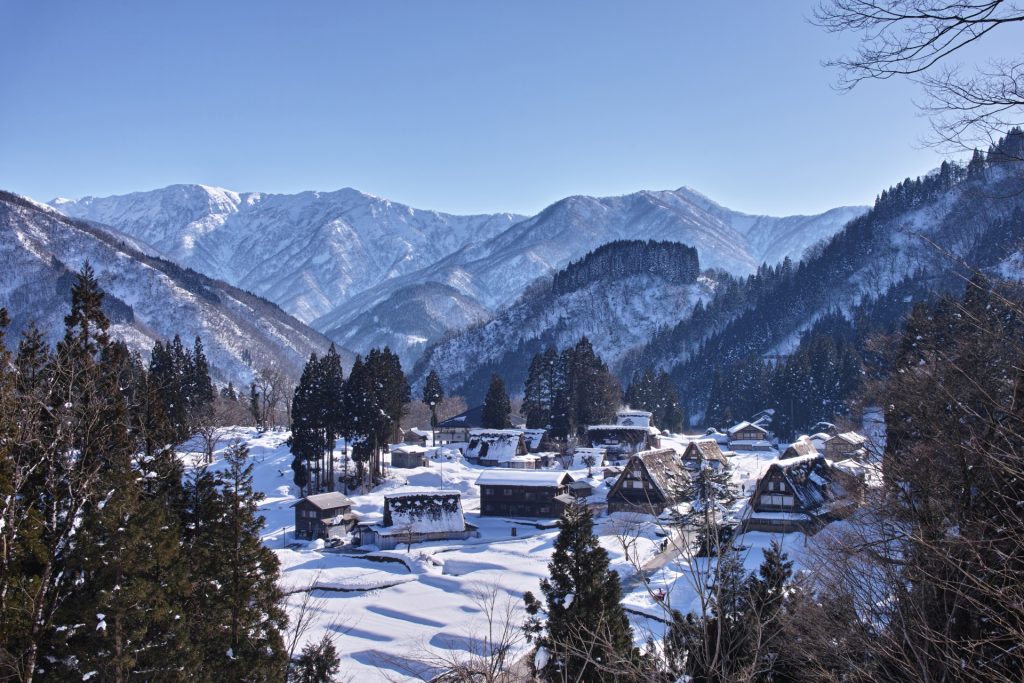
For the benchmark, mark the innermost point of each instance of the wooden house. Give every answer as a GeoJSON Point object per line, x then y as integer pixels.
{"type": "Point", "coordinates": [846, 445]}
{"type": "Point", "coordinates": [512, 493]}
{"type": "Point", "coordinates": [650, 482]}
{"type": "Point", "coordinates": [747, 436]}
{"type": "Point", "coordinates": [621, 441]}
{"type": "Point", "coordinates": [634, 418]}
{"type": "Point", "coordinates": [704, 450]}
{"type": "Point", "coordinates": [407, 456]}
{"type": "Point", "coordinates": [581, 489]}
{"type": "Point", "coordinates": [496, 447]}
{"type": "Point", "coordinates": [323, 515]}
{"type": "Point", "coordinates": [799, 448]}
{"type": "Point", "coordinates": [456, 429]}
{"type": "Point", "coordinates": [800, 494]}
{"type": "Point", "coordinates": [418, 515]}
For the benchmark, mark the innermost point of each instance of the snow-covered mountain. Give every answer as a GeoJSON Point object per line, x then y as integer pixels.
{"type": "Point", "coordinates": [367, 271]}
{"type": "Point", "coordinates": [306, 252]}
{"type": "Point", "coordinates": [618, 296]}
{"type": "Point", "coordinates": [147, 298]}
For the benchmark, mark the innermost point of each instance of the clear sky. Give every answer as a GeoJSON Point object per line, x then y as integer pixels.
{"type": "Point", "coordinates": [461, 106]}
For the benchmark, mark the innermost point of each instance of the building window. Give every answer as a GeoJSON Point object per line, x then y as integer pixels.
{"type": "Point", "coordinates": [508, 492]}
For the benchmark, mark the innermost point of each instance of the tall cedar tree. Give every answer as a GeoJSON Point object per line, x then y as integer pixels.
{"type": "Point", "coordinates": [587, 633]}
{"type": "Point", "coordinates": [433, 396]}
{"type": "Point", "coordinates": [587, 391]}
{"type": "Point", "coordinates": [331, 399]}
{"type": "Point", "coordinates": [542, 381]}
{"type": "Point", "coordinates": [497, 407]}
{"type": "Point", "coordinates": [375, 397]}
{"type": "Point", "coordinates": [243, 620]}
{"type": "Point", "coordinates": [306, 441]}
{"type": "Point", "coordinates": [123, 572]}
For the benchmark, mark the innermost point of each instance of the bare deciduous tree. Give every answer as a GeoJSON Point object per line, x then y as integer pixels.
{"type": "Point", "coordinates": [921, 39]}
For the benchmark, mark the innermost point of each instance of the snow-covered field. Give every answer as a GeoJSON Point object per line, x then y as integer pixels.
{"type": "Point", "coordinates": [393, 612]}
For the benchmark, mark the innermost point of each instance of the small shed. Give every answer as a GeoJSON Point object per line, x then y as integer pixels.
{"type": "Point", "coordinates": [634, 418]}
{"type": "Point", "coordinates": [581, 489]}
{"type": "Point", "coordinates": [323, 515]}
{"type": "Point", "coordinates": [407, 456]}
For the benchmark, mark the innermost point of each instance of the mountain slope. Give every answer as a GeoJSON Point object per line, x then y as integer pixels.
{"type": "Point", "coordinates": [306, 252]}
{"type": "Point", "coordinates": [496, 272]}
{"type": "Point", "coordinates": [357, 267]}
{"type": "Point", "coordinates": [147, 298]}
{"type": "Point", "coordinates": [618, 296]}
{"type": "Point", "coordinates": [923, 238]}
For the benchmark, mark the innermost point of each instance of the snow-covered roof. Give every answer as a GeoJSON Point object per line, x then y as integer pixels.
{"type": "Point", "coordinates": [423, 511]}
{"type": "Point", "coordinates": [705, 449]}
{"type": "Point", "coordinates": [407, 448]}
{"type": "Point", "coordinates": [801, 447]}
{"type": "Point", "coordinates": [326, 501]}
{"type": "Point", "coordinates": [745, 425]}
{"type": "Point", "coordinates": [640, 418]}
{"type": "Point", "coordinates": [408, 491]}
{"type": "Point", "coordinates": [852, 438]}
{"type": "Point", "coordinates": [810, 478]}
{"type": "Point", "coordinates": [534, 437]}
{"type": "Point", "coordinates": [750, 444]}
{"type": "Point", "coordinates": [511, 477]}
{"type": "Point", "coordinates": [500, 445]}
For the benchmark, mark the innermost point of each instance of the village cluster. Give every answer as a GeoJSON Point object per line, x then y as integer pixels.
{"type": "Point", "coordinates": [630, 466]}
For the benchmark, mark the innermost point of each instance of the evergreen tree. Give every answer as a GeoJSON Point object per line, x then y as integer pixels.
{"type": "Point", "coordinates": [318, 663]}
{"type": "Point", "coordinates": [121, 576]}
{"type": "Point", "coordinates": [243, 616]}
{"type": "Point", "coordinates": [497, 406]}
{"type": "Point", "coordinates": [201, 399]}
{"type": "Point", "coordinates": [710, 492]}
{"type": "Point", "coordinates": [31, 362]}
{"type": "Point", "coordinates": [307, 438]}
{"type": "Point", "coordinates": [539, 391]}
{"type": "Point", "coordinates": [433, 396]}
{"type": "Point", "coordinates": [587, 633]}
{"type": "Point", "coordinates": [330, 397]}
{"type": "Point", "coordinates": [229, 392]}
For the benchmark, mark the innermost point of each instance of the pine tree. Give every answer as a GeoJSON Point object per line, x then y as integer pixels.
{"type": "Point", "coordinates": [201, 399]}
{"type": "Point", "coordinates": [330, 396]}
{"type": "Point", "coordinates": [497, 406]}
{"type": "Point", "coordinates": [121, 614]}
{"type": "Point", "coordinates": [710, 491]}
{"type": "Point", "coordinates": [306, 440]}
{"type": "Point", "coordinates": [318, 663]}
{"type": "Point", "coordinates": [587, 633]}
{"type": "Point", "coordinates": [31, 362]}
{"type": "Point", "coordinates": [433, 396]}
{"type": "Point", "coordinates": [538, 391]}
{"type": "Point", "coordinates": [243, 640]}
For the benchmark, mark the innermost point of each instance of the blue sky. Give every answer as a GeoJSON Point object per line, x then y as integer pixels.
{"type": "Point", "coordinates": [467, 106]}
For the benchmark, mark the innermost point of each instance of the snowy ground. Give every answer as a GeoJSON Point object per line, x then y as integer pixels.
{"type": "Point", "coordinates": [392, 611]}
